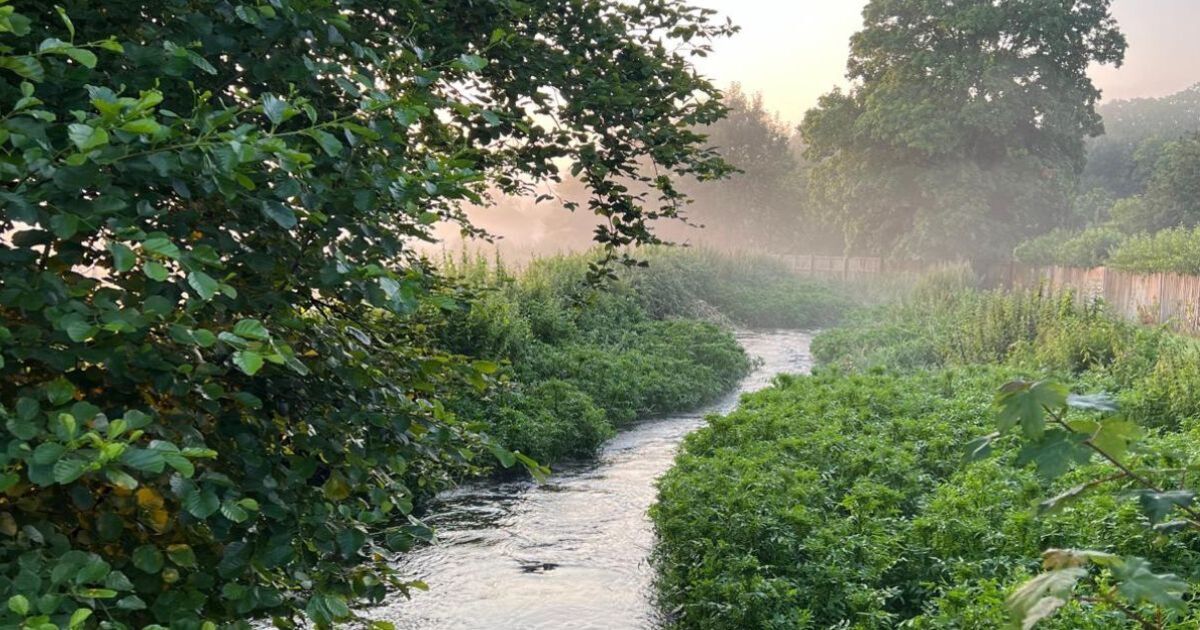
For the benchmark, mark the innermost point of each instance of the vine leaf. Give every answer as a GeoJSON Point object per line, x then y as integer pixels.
{"type": "Point", "coordinates": [1115, 435]}
{"type": "Point", "coordinates": [1140, 584]}
{"type": "Point", "coordinates": [1038, 598]}
{"type": "Point", "coordinates": [1158, 505]}
{"type": "Point", "coordinates": [1025, 403]}
{"type": "Point", "coordinates": [1055, 453]}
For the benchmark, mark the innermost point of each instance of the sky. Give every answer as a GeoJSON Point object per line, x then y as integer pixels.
{"type": "Point", "coordinates": [793, 51]}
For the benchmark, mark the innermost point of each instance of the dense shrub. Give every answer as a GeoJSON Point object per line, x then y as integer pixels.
{"type": "Point", "coordinates": [219, 391]}
{"type": "Point", "coordinates": [1089, 248]}
{"type": "Point", "coordinates": [843, 500]}
{"type": "Point", "coordinates": [1175, 251]}
{"type": "Point", "coordinates": [603, 354]}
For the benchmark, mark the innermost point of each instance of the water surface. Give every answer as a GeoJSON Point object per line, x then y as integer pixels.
{"type": "Point", "coordinates": [571, 552]}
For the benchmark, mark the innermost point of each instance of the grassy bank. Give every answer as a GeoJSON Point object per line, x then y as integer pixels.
{"type": "Point", "coordinates": [577, 361]}
{"type": "Point", "coordinates": [844, 499]}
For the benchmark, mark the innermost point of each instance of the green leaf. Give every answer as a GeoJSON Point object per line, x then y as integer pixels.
{"type": "Point", "coordinates": [182, 555]}
{"type": "Point", "coordinates": [67, 470]}
{"type": "Point", "coordinates": [143, 459]}
{"type": "Point", "coordinates": [155, 271]}
{"type": "Point", "coordinates": [329, 144]}
{"type": "Point", "coordinates": [234, 512]}
{"type": "Point", "coordinates": [80, 331]}
{"type": "Point", "coordinates": [111, 45]}
{"type": "Point", "coordinates": [248, 361]}
{"type": "Point", "coordinates": [123, 258]}
{"type": "Point", "coordinates": [274, 107]}
{"type": "Point", "coordinates": [79, 617]}
{"type": "Point", "coordinates": [206, 287]}
{"type": "Point", "coordinates": [146, 126]}
{"type": "Point", "coordinates": [1138, 584]}
{"type": "Point", "coordinates": [60, 391]}
{"type": "Point", "coordinates": [97, 593]}
{"type": "Point", "coordinates": [19, 605]}
{"type": "Point", "coordinates": [1025, 403]}
{"type": "Point", "coordinates": [25, 67]}
{"type": "Point", "coordinates": [485, 367]}
{"type": "Point", "coordinates": [86, 137]}
{"type": "Point", "coordinates": [1055, 453]}
{"type": "Point", "coordinates": [279, 213]}
{"type": "Point", "coordinates": [132, 602]}
{"type": "Point", "coordinates": [148, 559]}
{"type": "Point", "coordinates": [47, 453]}
{"type": "Point", "coordinates": [1115, 436]}
{"type": "Point", "coordinates": [251, 329]}
{"type": "Point", "coordinates": [86, 58]}
{"type": "Point", "coordinates": [503, 455]}
{"type": "Point", "coordinates": [472, 63]}
{"type": "Point", "coordinates": [161, 246]}
{"type": "Point", "coordinates": [200, 503]}
{"type": "Point", "coordinates": [1158, 505]}
{"type": "Point", "coordinates": [121, 479]}
{"type": "Point", "coordinates": [66, 20]}
{"type": "Point", "coordinates": [1042, 595]}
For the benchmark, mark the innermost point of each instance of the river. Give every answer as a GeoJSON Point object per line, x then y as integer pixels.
{"type": "Point", "coordinates": [571, 552]}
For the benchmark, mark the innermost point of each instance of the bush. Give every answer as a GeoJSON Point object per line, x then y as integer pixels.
{"type": "Point", "coordinates": [220, 393]}
{"type": "Point", "coordinates": [604, 352]}
{"type": "Point", "coordinates": [550, 421]}
{"type": "Point", "coordinates": [1173, 251]}
{"type": "Point", "coordinates": [842, 500]}
{"type": "Point", "coordinates": [1089, 248]}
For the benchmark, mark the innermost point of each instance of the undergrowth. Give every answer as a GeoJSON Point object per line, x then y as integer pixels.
{"type": "Point", "coordinates": [844, 499]}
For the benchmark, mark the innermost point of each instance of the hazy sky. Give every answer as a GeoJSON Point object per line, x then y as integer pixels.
{"type": "Point", "coordinates": [795, 50]}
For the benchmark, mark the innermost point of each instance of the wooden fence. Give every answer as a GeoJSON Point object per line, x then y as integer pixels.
{"type": "Point", "coordinates": [856, 267]}
{"type": "Point", "coordinates": [1159, 298]}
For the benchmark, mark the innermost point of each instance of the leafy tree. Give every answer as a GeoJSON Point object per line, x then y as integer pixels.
{"type": "Point", "coordinates": [220, 396]}
{"type": "Point", "coordinates": [964, 130]}
{"type": "Point", "coordinates": [764, 205]}
{"type": "Point", "coordinates": [1135, 132]}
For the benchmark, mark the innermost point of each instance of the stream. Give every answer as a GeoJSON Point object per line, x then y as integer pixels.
{"type": "Point", "coordinates": [573, 551]}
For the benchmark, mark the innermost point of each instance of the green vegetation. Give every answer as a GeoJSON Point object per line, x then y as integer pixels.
{"type": "Point", "coordinates": [1175, 250]}
{"type": "Point", "coordinates": [581, 361]}
{"type": "Point", "coordinates": [845, 497]}
{"type": "Point", "coordinates": [1089, 248]}
{"type": "Point", "coordinates": [221, 391]}
{"type": "Point", "coordinates": [963, 132]}
{"type": "Point", "coordinates": [1149, 232]}
{"type": "Point", "coordinates": [747, 290]}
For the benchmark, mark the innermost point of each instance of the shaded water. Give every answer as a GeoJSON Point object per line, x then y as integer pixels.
{"type": "Point", "coordinates": [571, 552]}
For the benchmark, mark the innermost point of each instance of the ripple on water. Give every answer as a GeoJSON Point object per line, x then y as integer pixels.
{"type": "Point", "coordinates": [570, 553]}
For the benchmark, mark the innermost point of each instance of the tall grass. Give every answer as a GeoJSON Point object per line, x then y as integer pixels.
{"type": "Point", "coordinates": [581, 360]}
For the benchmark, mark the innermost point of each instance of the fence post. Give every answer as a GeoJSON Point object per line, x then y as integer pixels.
{"type": "Point", "coordinates": [1162, 302]}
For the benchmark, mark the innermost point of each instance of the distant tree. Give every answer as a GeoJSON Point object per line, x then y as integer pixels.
{"type": "Point", "coordinates": [760, 202]}
{"type": "Point", "coordinates": [1135, 133]}
{"type": "Point", "coordinates": [963, 132]}
{"type": "Point", "coordinates": [1172, 196]}
{"type": "Point", "coordinates": [764, 204]}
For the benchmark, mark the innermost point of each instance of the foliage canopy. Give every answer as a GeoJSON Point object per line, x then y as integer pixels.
{"type": "Point", "coordinates": [963, 132]}
{"type": "Point", "coordinates": [219, 396]}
